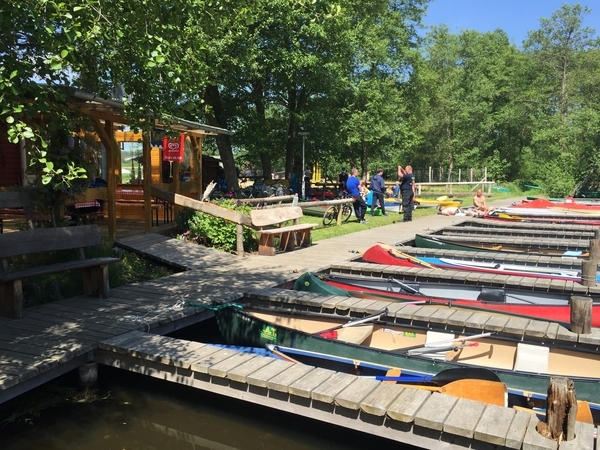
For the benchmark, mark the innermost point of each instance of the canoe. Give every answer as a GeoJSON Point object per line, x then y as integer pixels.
{"type": "Point", "coordinates": [500, 216]}
{"type": "Point", "coordinates": [382, 254]}
{"type": "Point", "coordinates": [549, 307]}
{"type": "Point", "coordinates": [445, 243]}
{"type": "Point", "coordinates": [521, 365]}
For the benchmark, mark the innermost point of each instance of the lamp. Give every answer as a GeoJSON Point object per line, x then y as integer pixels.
{"type": "Point", "coordinates": [303, 134]}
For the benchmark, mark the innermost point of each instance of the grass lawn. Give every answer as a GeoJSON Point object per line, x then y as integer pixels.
{"type": "Point", "coordinates": [352, 226]}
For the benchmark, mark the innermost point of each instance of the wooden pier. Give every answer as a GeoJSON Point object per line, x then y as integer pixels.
{"type": "Point", "coordinates": [402, 414]}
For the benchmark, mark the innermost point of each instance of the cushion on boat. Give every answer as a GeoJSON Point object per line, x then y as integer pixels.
{"type": "Point", "coordinates": [532, 358]}
{"type": "Point", "coordinates": [355, 334]}
{"type": "Point", "coordinates": [492, 295]}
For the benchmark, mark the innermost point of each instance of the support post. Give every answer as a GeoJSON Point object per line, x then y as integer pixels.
{"type": "Point", "coordinates": [581, 314]}
{"type": "Point", "coordinates": [561, 411]}
{"type": "Point", "coordinates": [239, 231]}
{"type": "Point", "coordinates": [589, 269]}
{"type": "Point", "coordinates": [594, 250]}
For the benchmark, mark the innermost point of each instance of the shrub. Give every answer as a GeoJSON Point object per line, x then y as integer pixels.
{"type": "Point", "coordinates": [48, 288]}
{"type": "Point", "coordinates": [215, 232]}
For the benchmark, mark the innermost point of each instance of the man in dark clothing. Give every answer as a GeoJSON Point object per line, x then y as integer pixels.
{"type": "Point", "coordinates": [342, 180]}
{"type": "Point", "coordinates": [407, 189]}
{"type": "Point", "coordinates": [378, 189]}
{"type": "Point", "coordinates": [360, 207]}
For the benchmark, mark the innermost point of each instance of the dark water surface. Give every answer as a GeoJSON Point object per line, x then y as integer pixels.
{"type": "Point", "coordinates": [143, 413]}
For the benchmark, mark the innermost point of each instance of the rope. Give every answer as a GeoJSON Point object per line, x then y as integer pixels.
{"type": "Point", "coordinates": [180, 304]}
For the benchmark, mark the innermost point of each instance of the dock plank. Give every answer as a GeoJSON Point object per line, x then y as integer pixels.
{"type": "Point", "coordinates": [407, 404]}
{"type": "Point", "coordinates": [435, 410]}
{"type": "Point", "coordinates": [463, 418]}
{"type": "Point", "coordinates": [378, 401]}
{"type": "Point", "coordinates": [352, 396]}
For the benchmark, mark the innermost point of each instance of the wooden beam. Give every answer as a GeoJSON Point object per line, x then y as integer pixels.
{"type": "Point", "coordinates": [147, 158]}
{"type": "Point", "coordinates": [209, 208]}
{"type": "Point", "coordinates": [110, 146]}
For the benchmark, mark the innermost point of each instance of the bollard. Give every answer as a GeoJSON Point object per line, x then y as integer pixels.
{"type": "Point", "coordinates": [589, 271]}
{"type": "Point", "coordinates": [561, 412]}
{"type": "Point", "coordinates": [594, 254]}
{"type": "Point", "coordinates": [88, 374]}
{"type": "Point", "coordinates": [581, 314]}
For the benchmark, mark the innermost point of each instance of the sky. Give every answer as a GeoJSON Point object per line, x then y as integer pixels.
{"type": "Point", "coordinates": [515, 17]}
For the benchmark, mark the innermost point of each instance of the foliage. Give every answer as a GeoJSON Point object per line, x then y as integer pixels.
{"type": "Point", "coordinates": [211, 231]}
{"type": "Point", "coordinates": [48, 288]}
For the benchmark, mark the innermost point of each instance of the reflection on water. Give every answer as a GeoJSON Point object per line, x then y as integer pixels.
{"type": "Point", "coordinates": [146, 414]}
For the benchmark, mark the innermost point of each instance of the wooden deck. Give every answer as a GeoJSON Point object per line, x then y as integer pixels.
{"type": "Point", "coordinates": [55, 338]}
{"type": "Point", "coordinates": [402, 414]}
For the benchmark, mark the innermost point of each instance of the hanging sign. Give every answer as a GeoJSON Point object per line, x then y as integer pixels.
{"type": "Point", "coordinates": [173, 150]}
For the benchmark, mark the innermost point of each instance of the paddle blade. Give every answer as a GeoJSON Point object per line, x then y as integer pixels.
{"type": "Point", "coordinates": [460, 373]}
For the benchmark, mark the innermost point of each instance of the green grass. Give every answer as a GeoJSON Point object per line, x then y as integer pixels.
{"type": "Point", "coordinates": [352, 226]}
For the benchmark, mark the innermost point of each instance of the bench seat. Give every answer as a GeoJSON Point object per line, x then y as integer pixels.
{"type": "Point", "coordinates": [269, 225]}
{"type": "Point", "coordinates": [22, 243]}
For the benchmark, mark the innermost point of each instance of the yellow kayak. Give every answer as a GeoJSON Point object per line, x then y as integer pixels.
{"type": "Point", "coordinates": [440, 201]}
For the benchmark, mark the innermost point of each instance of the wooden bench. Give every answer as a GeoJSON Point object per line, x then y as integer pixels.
{"type": "Point", "coordinates": [269, 223]}
{"type": "Point", "coordinates": [21, 243]}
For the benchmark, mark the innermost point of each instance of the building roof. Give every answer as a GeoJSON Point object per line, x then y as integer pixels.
{"type": "Point", "coordinates": [109, 109]}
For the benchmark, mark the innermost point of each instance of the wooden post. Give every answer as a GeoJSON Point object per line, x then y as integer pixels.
{"type": "Point", "coordinates": [430, 174]}
{"type": "Point", "coordinates": [239, 231]}
{"type": "Point", "coordinates": [597, 233]}
{"type": "Point", "coordinates": [594, 250]}
{"type": "Point", "coordinates": [589, 269]}
{"type": "Point", "coordinates": [561, 410]}
{"type": "Point", "coordinates": [581, 315]}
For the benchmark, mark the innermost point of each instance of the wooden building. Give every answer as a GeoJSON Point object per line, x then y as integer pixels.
{"type": "Point", "coordinates": [108, 122]}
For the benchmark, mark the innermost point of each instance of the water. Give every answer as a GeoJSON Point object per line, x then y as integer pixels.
{"type": "Point", "coordinates": [134, 412]}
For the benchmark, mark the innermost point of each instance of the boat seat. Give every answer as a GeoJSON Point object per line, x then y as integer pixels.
{"type": "Point", "coordinates": [532, 358]}
{"type": "Point", "coordinates": [356, 334]}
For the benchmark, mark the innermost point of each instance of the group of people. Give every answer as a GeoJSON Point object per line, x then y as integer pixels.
{"type": "Point", "coordinates": [357, 190]}
{"type": "Point", "coordinates": [405, 189]}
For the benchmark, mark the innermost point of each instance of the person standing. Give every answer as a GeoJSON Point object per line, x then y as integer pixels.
{"type": "Point", "coordinates": [407, 190]}
{"type": "Point", "coordinates": [342, 179]}
{"type": "Point", "coordinates": [378, 189]}
{"type": "Point", "coordinates": [353, 187]}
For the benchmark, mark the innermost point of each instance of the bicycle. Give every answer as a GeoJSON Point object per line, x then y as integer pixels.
{"type": "Point", "coordinates": [332, 212]}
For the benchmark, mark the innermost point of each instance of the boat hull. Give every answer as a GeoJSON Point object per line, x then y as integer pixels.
{"type": "Point", "coordinates": [241, 328]}
{"type": "Point", "coordinates": [560, 313]}
{"type": "Point", "coordinates": [379, 255]}
{"type": "Point", "coordinates": [436, 242]}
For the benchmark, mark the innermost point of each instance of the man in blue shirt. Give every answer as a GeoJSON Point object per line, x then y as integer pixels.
{"type": "Point", "coordinates": [360, 207]}
{"type": "Point", "coordinates": [407, 190]}
{"type": "Point", "coordinates": [378, 189]}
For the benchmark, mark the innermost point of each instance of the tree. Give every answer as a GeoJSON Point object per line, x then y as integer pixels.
{"type": "Point", "coordinates": [558, 53]}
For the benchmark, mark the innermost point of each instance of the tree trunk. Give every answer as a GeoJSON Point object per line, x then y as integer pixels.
{"type": "Point", "coordinates": [216, 117]}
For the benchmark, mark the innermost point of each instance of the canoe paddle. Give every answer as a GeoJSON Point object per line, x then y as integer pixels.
{"type": "Point", "coordinates": [359, 321]}
{"type": "Point", "coordinates": [444, 377]}
{"type": "Point", "coordinates": [406, 256]}
{"type": "Point", "coordinates": [432, 346]}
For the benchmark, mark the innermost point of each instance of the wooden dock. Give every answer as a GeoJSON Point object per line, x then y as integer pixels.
{"type": "Point", "coordinates": [402, 414]}
{"type": "Point", "coordinates": [58, 337]}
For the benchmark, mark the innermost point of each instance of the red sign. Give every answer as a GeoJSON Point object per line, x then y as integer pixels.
{"type": "Point", "coordinates": [173, 150]}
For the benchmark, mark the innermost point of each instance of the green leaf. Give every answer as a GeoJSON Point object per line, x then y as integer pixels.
{"type": "Point", "coordinates": [64, 53]}
{"type": "Point", "coordinates": [10, 119]}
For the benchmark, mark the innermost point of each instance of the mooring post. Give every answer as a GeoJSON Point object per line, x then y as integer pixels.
{"type": "Point", "coordinates": [589, 270]}
{"type": "Point", "coordinates": [594, 253]}
{"type": "Point", "coordinates": [561, 410]}
{"type": "Point", "coordinates": [581, 314]}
